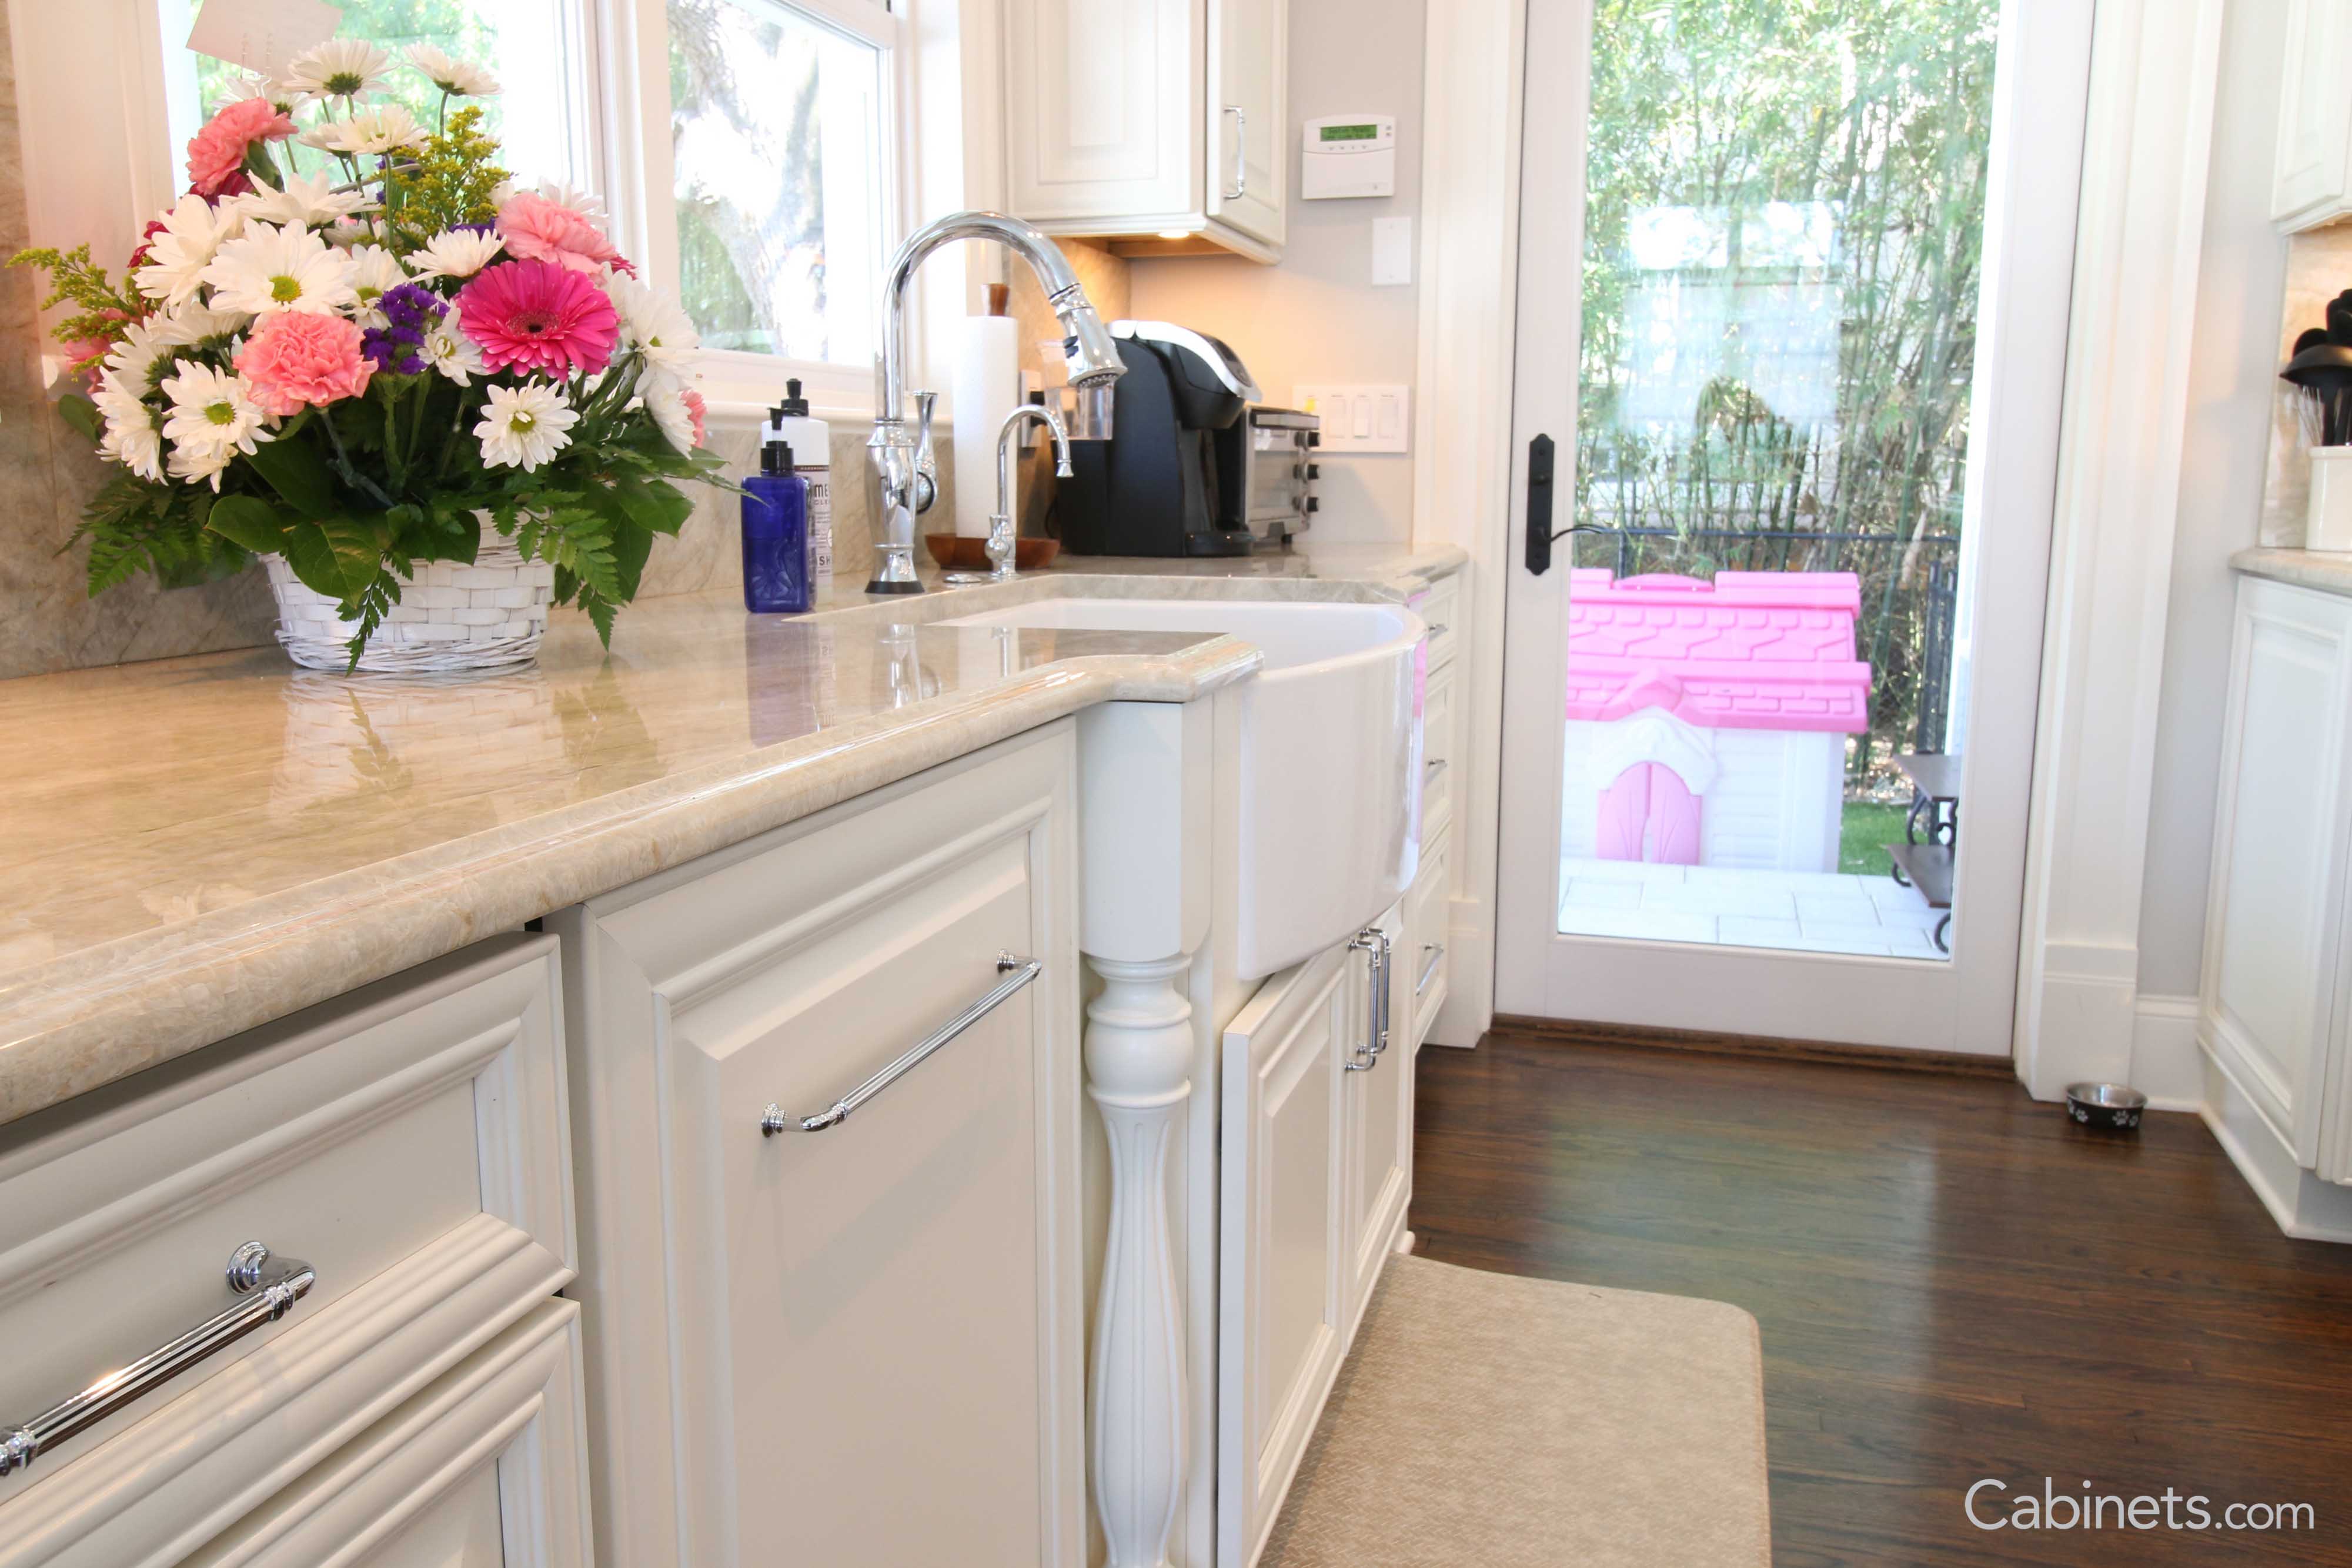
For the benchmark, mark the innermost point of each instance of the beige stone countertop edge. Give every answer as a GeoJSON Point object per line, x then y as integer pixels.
{"type": "Point", "coordinates": [117, 1009]}
{"type": "Point", "coordinates": [2328, 571]}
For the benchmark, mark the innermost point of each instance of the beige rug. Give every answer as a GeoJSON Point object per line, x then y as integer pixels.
{"type": "Point", "coordinates": [1490, 1420]}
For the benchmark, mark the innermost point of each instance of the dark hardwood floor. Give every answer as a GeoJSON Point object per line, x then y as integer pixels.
{"type": "Point", "coordinates": [1954, 1283]}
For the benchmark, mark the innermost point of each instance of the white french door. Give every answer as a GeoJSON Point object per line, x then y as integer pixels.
{"type": "Point", "coordinates": [2000, 448]}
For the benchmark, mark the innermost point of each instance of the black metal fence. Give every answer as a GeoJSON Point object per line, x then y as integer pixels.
{"type": "Point", "coordinates": [1910, 596]}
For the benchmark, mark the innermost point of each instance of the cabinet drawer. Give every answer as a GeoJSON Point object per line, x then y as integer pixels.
{"type": "Point", "coordinates": [1428, 908]}
{"type": "Point", "coordinates": [484, 1469]}
{"type": "Point", "coordinates": [1439, 604]}
{"type": "Point", "coordinates": [407, 1142]}
{"type": "Point", "coordinates": [1437, 759]}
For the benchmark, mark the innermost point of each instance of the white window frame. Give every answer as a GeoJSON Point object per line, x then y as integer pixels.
{"type": "Point", "coordinates": [95, 131]}
{"type": "Point", "coordinates": [626, 58]}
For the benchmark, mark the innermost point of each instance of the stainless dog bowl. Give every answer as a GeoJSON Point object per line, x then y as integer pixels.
{"type": "Point", "coordinates": [2110, 1107]}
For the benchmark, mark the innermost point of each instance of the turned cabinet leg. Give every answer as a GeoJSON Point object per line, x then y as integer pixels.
{"type": "Point", "coordinates": [1139, 1053]}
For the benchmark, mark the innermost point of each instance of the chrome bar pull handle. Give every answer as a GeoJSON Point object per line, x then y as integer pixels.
{"type": "Point", "coordinates": [1387, 961]}
{"type": "Point", "coordinates": [275, 1284]}
{"type": "Point", "coordinates": [1017, 973]}
{"type": "Point", "coordinates": [1241, 154]}
{"type": "Point", "coordinates": [1363, 1058]}
{"type": "Point", "coordinates": [1433, 954]}
{"type": "Point", "coordinates": [1433, 767]}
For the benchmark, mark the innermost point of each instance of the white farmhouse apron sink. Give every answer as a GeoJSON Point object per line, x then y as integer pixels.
{"type": "Point", "coordinates": [1329, 756]}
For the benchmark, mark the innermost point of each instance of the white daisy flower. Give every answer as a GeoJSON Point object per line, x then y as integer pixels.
{"type": "Point", "coordinates": [307, 200]}
{"type": "Point", "coordinates": [130, 363]}
{"type": "Point", "coordinates": [120, 401]}
{"type": "Point", "coordinates": [192, 235]}
{"type": "Point", "coordinates": [524, 426]}
{"type": "Point", "coordinates": [283, 97]}
{"type": "Point", "coordinates": [135, 442]}
{"type": "Point", "coordinates": [190, 464]}
{"type": "Point", "coordinates": [454, 252]}
{"type": "Point", "coordinates": [340, 68]}
{"type": "Point", "coordinates": [452, 352]}
{"type": "Point", "coordinates": [210, 409]}
{"type": "Point", "coordinates": [378, 129]}
{"type": "Point", "coordinates": [268, 269]}
{"type": "Point", "coordinates": [373, 271]}
{"type": "Point", "coordinates": [655, 323]}
{"type": "Point", "coordinates": [455, 77]}
{"type": "Point", "coordinates": [665, 399]}
{"type": "Point", "coordinates": [194, 322]}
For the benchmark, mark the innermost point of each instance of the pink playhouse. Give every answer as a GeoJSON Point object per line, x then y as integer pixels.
{"type": "Point", "coordinates": [1707, 722]}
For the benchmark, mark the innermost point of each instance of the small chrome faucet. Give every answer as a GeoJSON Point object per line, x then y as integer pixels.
{"type": "Point", "coordinates": [902, 452]}
{"type": "Point", "coordinates": [1004, 523]}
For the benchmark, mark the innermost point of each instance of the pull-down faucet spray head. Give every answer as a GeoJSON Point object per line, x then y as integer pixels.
{"type": "Point", "coordinates": [902, 455]}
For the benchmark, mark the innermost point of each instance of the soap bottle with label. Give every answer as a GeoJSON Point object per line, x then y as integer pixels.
{"type": "Point", "coordinates": [812, 440]}
{"type": "Point", "coordinates": [777, 557]}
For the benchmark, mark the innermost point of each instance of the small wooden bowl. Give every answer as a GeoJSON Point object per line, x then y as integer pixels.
{"type": "Point", "coordinates": [956, 553]}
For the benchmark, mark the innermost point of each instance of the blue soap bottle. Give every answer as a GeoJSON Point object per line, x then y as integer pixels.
{"type": "Point", "coordinates": [776, 575]}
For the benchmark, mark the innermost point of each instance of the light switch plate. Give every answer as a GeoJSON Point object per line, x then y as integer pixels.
{"type": "Point", "coordinates": [1391, 251]}
{"type": "Point", "coordinates": [1360, 418]}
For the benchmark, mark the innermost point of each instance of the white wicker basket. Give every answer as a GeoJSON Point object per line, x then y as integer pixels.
{"type": "Point", "coordinates": [452, 617]}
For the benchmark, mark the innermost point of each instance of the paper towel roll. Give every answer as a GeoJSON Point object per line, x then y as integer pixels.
{"type": "Point", "coordinates": [987, 386]}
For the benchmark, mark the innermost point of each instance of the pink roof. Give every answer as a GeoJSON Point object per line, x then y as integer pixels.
{"type": "Point", "coordinates": [1752, 650]}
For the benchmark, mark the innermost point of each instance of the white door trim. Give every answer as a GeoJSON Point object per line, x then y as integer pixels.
{"type": "Point", "coordinates": [2155, 66]}
{"type": "Point", "coordinates": [1471, 105]}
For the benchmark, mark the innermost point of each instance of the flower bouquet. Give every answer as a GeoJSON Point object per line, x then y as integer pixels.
{"type": "Point", "coordinates": [354, 348]}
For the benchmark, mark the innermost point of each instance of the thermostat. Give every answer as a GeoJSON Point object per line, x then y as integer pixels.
{"type": "Point", "coordinates": [1348, 155]}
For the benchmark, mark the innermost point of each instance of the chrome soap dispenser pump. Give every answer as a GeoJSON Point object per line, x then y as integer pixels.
{"type": "Point", "coordinates": [902, 452]}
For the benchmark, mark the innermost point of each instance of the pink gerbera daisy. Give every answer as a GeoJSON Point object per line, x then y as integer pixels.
{"type": "Point", "coordinates": [540, 316]}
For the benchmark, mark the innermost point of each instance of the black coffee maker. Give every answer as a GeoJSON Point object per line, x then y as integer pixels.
{"type": "Point", "coordinates": [1168, 482]}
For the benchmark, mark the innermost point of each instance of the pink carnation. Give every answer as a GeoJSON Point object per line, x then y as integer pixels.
{"type": "Point", "coordinates": [537, 229]}
{"type": "Point", "coordinates": [216, 155]}
{"type": "Point", "coordinates": [296, 358]}
{"type": "Point", "coordinates": [698, 412]}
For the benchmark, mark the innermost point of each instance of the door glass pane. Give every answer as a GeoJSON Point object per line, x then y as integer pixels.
{"type": "Point", "coordinates": [522, 43]}
{"type": "Point", "coordinates": [775, 135]}
{"type": "Point", "coordinates": [1785, 212]}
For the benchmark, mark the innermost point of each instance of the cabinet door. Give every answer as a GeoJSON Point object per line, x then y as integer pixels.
{"type": "Point", "coordinates": [1284, 1270]}
{"type": "Point", "coordinates": [2315, 134]}
{"type": "Point", "coordinates": [860, 1345]}
{"type": "Point", "coordinates": [1103, 113]}
{"type": "Point", "coordinates": [2274, 912]}
{"type": "Point", "coordinates": [1380, 1119]}
{"type": "Point", "coordinates": [1249, 131]}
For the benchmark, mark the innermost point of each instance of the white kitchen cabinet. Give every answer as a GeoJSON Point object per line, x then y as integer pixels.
{"type": "Point", "coordinates": [407, 1142]}
{"type": "Point", "coordinates": [1136, 120]}
{"type": "Point", "coordinates": [483, 1469]}
{"type": "Point", "coordinates": [2311, 178]}
{"type": "Point", "coordinates": [1315, 1178]}
{"type": "Point", "coordinates": [2276, 1012]}
{"type": "Point", "coordinates": [860, 1345]}
{"type": "Point", "coordinates": [1430, 908]}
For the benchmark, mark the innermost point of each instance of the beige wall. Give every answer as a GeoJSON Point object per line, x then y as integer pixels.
{"type": "Point", "coordinates": [1315, 317]}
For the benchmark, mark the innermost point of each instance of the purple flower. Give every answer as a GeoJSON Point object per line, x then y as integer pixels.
{"type": "Point", "coordinates": [409, 311]}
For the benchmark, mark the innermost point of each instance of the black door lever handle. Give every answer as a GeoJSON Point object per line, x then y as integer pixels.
{"type": "Point", "coordinates": [1541, 459]}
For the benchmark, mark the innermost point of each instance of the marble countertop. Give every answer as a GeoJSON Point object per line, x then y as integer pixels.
{"type": "Point", "coordinates": [193, 846]}
{"type": "Point", "coordinates": [2324, 570]}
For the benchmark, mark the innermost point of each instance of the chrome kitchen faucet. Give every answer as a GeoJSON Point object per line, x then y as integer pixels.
{"type": "Point", "coordinates": [902, 452]}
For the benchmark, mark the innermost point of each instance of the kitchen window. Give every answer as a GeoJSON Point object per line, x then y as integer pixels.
{"type": "Point", "coordinates": [749, 153]}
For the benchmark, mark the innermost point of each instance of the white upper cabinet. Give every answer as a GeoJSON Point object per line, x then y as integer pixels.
{"type": "Point", "coordinates": [2311, 183]}
{"type": "Point", "coordinates": [1136, 120]}
{"type": "Point", "coordinates": [1249, 134]}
